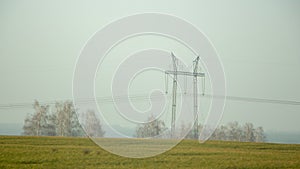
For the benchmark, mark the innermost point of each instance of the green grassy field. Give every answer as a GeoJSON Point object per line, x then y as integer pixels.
{"type": "Point", "coordinates": [61, 152]}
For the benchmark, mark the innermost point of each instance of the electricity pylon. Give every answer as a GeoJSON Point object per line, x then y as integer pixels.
{"type": "Point", "coordinates": [195, 75]}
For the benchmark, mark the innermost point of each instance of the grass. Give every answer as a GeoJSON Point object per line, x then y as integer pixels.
{"type": "Point", "coordinates": [62, 152]}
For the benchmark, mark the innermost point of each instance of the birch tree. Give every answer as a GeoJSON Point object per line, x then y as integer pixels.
{"type": "Point", "coordinates": [36, 124]}
{"type": "Point", "coordinates": [66, 120]}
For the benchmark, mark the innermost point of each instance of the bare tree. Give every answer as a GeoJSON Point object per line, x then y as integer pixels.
{"type": "Point", "coordinates": [259, 134]}
{"type": "Point", "coordinates": [248, 132]}
{"type": "Point", "coordinates": [153, 128]}
{"type": "Point", "coordinates": [62, 113]}
{"type": "Point", "coordinates": [66, 120]}
{"type": "Point", "coordinates": [50, 127]}
{"type": "Point", "coordinates": [36, 124]}
{"type": "Point", "coordinates": [92, 125]}
{"type": "Point", "coordinates": [29, 126]}
{"type": "Point", "coordinates": [235, 132]}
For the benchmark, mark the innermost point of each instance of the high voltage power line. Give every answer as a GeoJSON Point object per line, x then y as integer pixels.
{"type": "Point", "coordinates": [154, 97]}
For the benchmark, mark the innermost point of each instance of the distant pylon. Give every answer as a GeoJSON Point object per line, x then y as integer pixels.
{"type": "Point", "coordinates": [195, 75]}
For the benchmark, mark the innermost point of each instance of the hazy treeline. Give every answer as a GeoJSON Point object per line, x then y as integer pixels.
{"type": "Point", "coordinates": [61, 121]}
{"type": "Point", "coordinates": [232, 131]}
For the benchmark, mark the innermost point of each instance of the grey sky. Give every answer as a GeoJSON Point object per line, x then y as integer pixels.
{"type": "Point", "coordinates": [257, 41]}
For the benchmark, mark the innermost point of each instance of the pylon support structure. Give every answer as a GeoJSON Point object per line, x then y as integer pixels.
{"type": "Point", "coordinates": [195, 76]}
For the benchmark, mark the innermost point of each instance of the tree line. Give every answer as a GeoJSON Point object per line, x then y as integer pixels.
{"type": "Point", "coordinates": [232, 131]}
{"type": "Point", "coordinates": [61, 121]}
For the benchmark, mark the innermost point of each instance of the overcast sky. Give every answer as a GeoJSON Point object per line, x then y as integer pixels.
{"type": "Point", "coordinates": [257, 41]}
